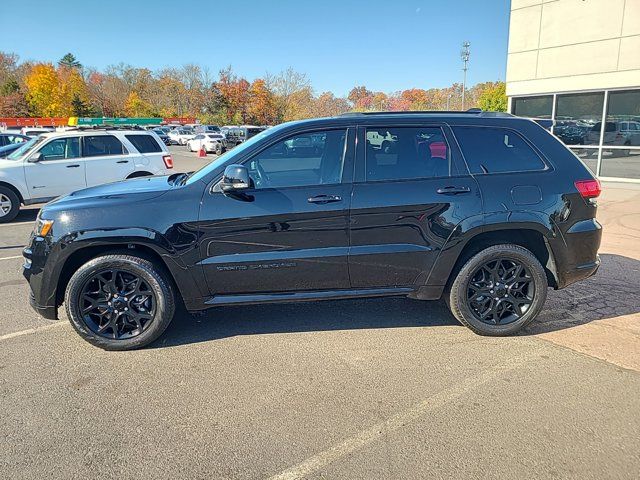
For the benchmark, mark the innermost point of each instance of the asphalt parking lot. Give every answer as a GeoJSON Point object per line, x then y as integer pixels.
{"type": "Point", "coordinates": [380, 388]}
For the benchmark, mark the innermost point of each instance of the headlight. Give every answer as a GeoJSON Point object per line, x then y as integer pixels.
{"type": "Point", "coordinates": [43, 227]}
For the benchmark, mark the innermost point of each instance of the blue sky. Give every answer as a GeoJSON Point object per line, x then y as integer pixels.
{"type": "Point", "coordinates": [386, 45]}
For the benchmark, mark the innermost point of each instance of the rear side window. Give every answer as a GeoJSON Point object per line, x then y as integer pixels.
{"type": "Point", "coordinates": [405, 153]}
{"type": "Point", "coordinates": [100, 145]}
{"type": "Point", "coordinates": [496, 150]}
{"type": "Point", "coordinates": [144, 143]}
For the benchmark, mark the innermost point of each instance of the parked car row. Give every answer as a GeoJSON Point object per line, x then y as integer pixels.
{"type": "Point", "coordinates": [58, 163]}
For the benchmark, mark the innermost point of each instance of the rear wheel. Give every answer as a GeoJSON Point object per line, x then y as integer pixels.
{"type": "Point", "coordinates": [120, 302]}
{"type": "Point", "coordinates": [499, 290]}
{"type": "Point", "coordinates": [9, 204]}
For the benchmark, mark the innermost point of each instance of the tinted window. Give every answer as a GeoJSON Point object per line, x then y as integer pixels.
{"type": "Point", "coordinates": [623, 106]}
{"type": "Point", "coordinates": [61, 148]}
{"type": "Point", "coordinates": [538, 107]}
{"type": "Point", "coordinates": [98, 145]}
{"type": "Point", "coordinates": [144, 143]}
{"type": "Point", "coordinates": [495, 150]}
{"type": "Point", "coordinates": [403, 153]}
{"type": "Point", "coordinates": [299, 161]}
{"type": "Point", "coordinates": [576, 116]}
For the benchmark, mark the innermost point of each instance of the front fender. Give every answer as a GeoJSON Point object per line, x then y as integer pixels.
{"type": "Point", "coordinates": [51, 257]}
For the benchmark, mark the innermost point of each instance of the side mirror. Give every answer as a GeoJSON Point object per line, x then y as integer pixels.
{"type": "Point", "coordinates": [36, 157]}
{"type": "Point", "coordinates": [235, 178]}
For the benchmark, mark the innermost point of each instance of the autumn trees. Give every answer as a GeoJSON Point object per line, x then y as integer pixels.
{"type": "Point", "coordinates": [71, 89]}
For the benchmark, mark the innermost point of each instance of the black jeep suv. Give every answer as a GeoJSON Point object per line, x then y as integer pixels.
{"type": "Point", "coordinates": [485, 209]}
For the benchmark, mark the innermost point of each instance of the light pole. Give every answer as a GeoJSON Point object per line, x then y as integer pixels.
{"type": "Point", "coordinates": [449, 100]}
{"type": "Point", "coordinates": [464, 55]}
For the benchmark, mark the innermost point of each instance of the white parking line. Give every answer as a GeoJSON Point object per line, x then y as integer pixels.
{"type": "Point", "coordinates": [396, 422]}
{"type": "Point", "coordinates": [29, 331]}
{"type": "Point", "coordinates": [11, 258]}
{"type": "Point", "coordinates": [17, 223]}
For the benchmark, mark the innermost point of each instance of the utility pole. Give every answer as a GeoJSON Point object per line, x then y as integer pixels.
{"type": "Point", "coordinates": [464, 55]}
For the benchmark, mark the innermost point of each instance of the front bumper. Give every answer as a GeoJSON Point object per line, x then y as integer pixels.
{"type": "Point", "coordinates": [43, 287]}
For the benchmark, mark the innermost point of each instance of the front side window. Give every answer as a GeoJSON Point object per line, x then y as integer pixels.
{"type": "Point", "coordinates": [299, 161]}
{"type": "Point", "coordinates": [405, 153]}
{"type": "Point", "coordinates": [60, 149]}
{"type": "Point", "coordinates": [496, 150]}
{"type": "Point", "coordinates": [144, 143]}
{"type": "Point", "coordinates": [102, 145]}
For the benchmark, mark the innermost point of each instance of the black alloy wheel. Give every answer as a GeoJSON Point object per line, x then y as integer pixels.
{"type": "Point", "coordinates": [500, 291]}
{"type": "Point", "coordinates": [117, 304]}
{"type": "Point", "coordinates": [120, 301]}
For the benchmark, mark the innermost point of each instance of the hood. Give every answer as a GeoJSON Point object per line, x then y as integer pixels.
{"type": "Point", "coordinates": [127, 191]}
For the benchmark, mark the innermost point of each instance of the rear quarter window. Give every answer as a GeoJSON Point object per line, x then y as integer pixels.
{"type": "Point", "coordinates": [144, 143]}
{"type": "Point", "coordinates": [496, 150]}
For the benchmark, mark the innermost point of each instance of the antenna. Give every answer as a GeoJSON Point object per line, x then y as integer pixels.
{"type": "Point", "coordinates": [465, 53]}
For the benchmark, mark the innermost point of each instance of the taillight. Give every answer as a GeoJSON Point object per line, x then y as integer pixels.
{"type": "Point", "coordinates": [168, 161]}
{"type": "Point", "coordinates": [588, 188]}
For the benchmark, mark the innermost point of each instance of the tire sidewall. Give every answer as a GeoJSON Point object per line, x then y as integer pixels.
{"type": "Point", "coordinates": [165, 304]}
{"type": "Point", "coordinates": [457, 297]}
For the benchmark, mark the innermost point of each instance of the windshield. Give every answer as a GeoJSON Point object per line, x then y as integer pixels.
{"type": "Point", "coordinates": [25, 148]}
{"type": "Point", "coordinates": [236, 152]}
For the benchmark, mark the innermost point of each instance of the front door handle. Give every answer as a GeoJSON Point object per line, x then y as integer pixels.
{"type": "Point", "coordinates": [122, 161]}
{"type": "Point", "coordinates": [451, 190]}
{"type": "Point", "coordinates": [75, 165]}
{"type": "Point", "coordinates": [322, 199]}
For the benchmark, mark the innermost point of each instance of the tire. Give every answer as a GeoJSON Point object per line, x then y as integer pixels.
{"type": "Point", "coordinates": [156, 284]}
{"type": "Point", "coordinates": [468, 303]}
{"type": "Point", "coordinates": [218, 149]}
{"type": "Point", "coordinates": [9, 204]}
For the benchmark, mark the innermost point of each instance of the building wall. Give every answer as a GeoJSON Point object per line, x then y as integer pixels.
{"type": "Point", "coordinates": [573, 45]}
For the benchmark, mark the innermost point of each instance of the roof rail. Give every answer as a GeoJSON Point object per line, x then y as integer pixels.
{"type": "Point", "coordinates": [105, 127]}
{"type": "Point", "coordinates": [472, 111]}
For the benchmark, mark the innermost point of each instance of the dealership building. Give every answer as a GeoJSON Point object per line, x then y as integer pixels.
{"type": "Point", "coordinates": [577, 63]}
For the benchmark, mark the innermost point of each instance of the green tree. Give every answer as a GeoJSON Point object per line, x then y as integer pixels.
{"type": "Point", "coordinates": [493, 98]}
{"type": "Point", "coordinates": [79, 107]}
{"type": "Point", "coordinates": [70, 61]}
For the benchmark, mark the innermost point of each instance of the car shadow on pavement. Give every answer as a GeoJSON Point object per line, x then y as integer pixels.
{"type": "Point", "coordinates": [612, 292]}
{"type": "Point", "coordinates": [27, 214]}
{"type": "Point", "coordinates": [373, 313]}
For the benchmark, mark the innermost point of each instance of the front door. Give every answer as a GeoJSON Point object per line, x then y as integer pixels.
{"type": "Point", "coordinates": [411, 192]}
{"type": "Point", "coordinates": [290, 231]}
{"type": "Point", "coordinates": [60, 170]}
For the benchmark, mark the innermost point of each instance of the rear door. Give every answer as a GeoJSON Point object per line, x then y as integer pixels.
{"type": "Point", "coordinates": [59, 172]}
{"type": "Point", "coordinates": [411, 192]}
{"type": "Point", "coordinates": [107, 159]}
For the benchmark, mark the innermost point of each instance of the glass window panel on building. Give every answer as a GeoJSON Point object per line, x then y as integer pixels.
{"type": "Point", "coordinates": [621, 163]}
{"type": "Point", "coordinates": [534, 107]}
{"type": "Point", "coordinates": [578, 118]}
{"type": "Point", "coordinates": [623, 119]}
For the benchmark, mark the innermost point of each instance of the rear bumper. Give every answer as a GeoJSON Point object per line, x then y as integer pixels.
{"type": "Point", "coordinates": [578, 258]}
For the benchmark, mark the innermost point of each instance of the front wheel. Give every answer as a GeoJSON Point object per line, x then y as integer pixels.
{"type": "Point", "coordinates": [120, 302]}
{"type": "Point", "coordinates": [9, 205]}
{"type": "Point", "coordinates": [499, 290]}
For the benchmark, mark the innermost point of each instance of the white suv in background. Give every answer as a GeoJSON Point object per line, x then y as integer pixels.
{"type": "Point", "coordinates": [58, 163]}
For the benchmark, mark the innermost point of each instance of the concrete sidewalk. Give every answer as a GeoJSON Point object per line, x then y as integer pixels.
{"type": "Point", "coordinates": [601, 316]}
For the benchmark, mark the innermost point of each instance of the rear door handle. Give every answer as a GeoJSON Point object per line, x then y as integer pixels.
{"type": "Point", "coordinates": [451, 190]}
{"type": "Point", "coordinates": [75, 165]}
{"type": "Point", "coordinates": [122, 161]}
{"type": "Point", "coordinates": [322, 199]}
